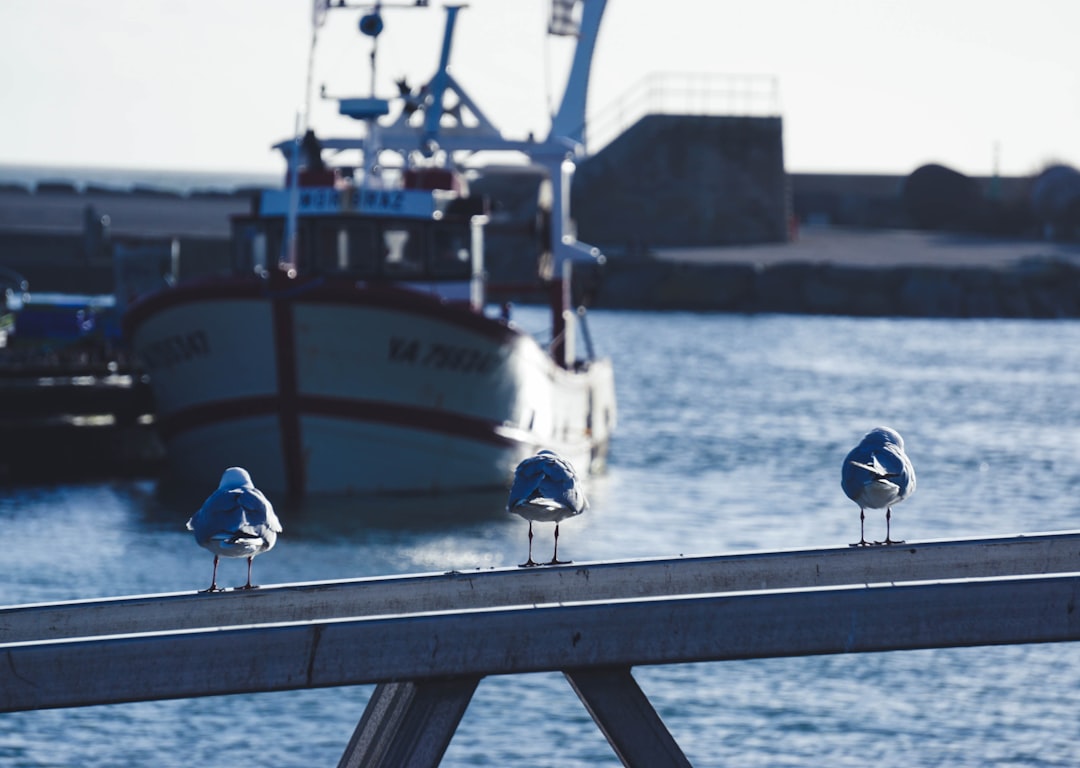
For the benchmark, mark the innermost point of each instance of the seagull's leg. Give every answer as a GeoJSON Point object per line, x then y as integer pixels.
{"type": "Point", "coordinates": [888, 526]}
{"type": "Point", "coordinates": [248, 585]}
{"type": "Point", "coordinates": [862, 530]}
{"type": "Point", "coordinates": [555, 557]}
{"type": "Point", "coordinates": [213, 579]}
{"type": "Point", "coordinates": [530, 562]}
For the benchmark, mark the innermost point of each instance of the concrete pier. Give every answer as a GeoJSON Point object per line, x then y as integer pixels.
{"type": "Point", "coordinates": [873, 273]}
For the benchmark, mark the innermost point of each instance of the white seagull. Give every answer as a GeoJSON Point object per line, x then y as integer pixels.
{"type": "Point", "coordinates": [235, 521]}
{"type": "Point", "coordinates": [876, 475]}
{"type": "Point", "coordinates": [546, 490]}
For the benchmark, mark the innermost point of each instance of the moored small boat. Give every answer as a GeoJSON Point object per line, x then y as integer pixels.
{"type": "Point", "coordinates": [354, 349]}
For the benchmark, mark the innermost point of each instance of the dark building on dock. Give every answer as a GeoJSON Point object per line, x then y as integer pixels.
{"type": "Point", "coordinates": [685, 181]}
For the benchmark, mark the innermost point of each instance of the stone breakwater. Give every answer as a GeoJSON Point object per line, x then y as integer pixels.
{"type": "Point", "coordinates": [867, 273]}
{"type": "Point", "coordinates": [1037, 288]}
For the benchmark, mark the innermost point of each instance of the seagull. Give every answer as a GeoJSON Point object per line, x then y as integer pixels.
{"type": "Point", "coordinates": [235, 521]}
{"type": "Point", "coordinates": [545, 489]}
{"type": "Point", "coordinates": [876, 475]}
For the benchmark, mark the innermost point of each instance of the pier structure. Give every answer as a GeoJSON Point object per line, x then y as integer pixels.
{"type": "Point", "coordinates": [427, 641]}
{"type": "Point", "coordinates": [75, 421]}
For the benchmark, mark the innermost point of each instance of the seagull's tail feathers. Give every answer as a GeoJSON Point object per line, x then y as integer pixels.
{"type": "Point", "coordinates": [875, 469]}
{"type": "Point", "coordinates": [540, 502]}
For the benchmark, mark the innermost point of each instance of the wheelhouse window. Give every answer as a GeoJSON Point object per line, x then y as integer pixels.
{"type": "Point", "coordinates": [339, 245]}
{"type": "Point", "coordinates": [360, 248]}
{"type": "Point", "coordinates": [451, 252]}
{"type": "Point", "coordinates": [257, 246]}
{"type": "Point", "coordinates": [403, 250]}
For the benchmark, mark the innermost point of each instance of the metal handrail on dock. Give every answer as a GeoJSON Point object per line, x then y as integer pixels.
{"type": "Point", "coordinates": [428, 640]}
{"type": "Point", "coordinates": [684, 93]}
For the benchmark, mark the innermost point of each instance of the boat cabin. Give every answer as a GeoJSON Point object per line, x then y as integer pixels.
{"type": "Point", "coordinates": [430, 240]}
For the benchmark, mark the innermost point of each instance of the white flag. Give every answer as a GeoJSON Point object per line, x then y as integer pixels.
{"type": "Point", "coordinates": [563, 21]}
{"type": "Point", "coordinates": [318, 12]}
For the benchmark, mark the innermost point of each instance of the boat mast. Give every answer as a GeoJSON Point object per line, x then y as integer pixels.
{"type": "Point", "coordinates": [437, 86]}
{"type": "Point", "coordinates": [569, 122]}
{"type": "Point", "coordinates": [287, 262]}
{"type": "Point", "coordinates": [564, 143]}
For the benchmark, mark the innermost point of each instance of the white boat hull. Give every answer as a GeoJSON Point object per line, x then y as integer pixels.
{"type": "Point", "coordinates": [338, 388]}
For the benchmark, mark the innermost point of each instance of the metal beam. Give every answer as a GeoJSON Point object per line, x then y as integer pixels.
{"type": "Point", "coordinates": [628, 633]}
{"type": "Point", "coordinates": [409, 723]}
{"type": "Point", "coordinates": [626, 718]}
{"type": "Point", "coordinates": [319, 601]}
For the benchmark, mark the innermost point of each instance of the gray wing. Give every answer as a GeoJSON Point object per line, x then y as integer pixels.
{"type": "Point", "coordinates": [868, 462]}
{"type": "Point", "coordinates": [547, 476]}
{"type": "Point", "coordinates": [259, 509]}
{"type": "Point", "coordinates": [899, 469]}
{"type": "Point", "coordinates": [234, 510]}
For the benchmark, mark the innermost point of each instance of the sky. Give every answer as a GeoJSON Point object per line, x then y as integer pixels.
{"type": "Point", "coordinates": [863, 86]}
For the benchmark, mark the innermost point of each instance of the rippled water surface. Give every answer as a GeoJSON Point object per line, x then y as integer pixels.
{"type": "Point", "coordinates": [732, 431]}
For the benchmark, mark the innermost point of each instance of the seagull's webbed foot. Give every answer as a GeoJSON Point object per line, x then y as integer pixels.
{"type": "Point", "coordinates": [555, 553]}
{"type": "Point", "coordinates": [249, 586]}
{"type": "Point", "coordinates": [862, 542]}
{"type": "Point", "coordinates": [211, 589]}
{"type": "Point", "coordinates": [888, 529]}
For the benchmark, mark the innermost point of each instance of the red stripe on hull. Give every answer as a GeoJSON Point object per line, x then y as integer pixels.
{"type": "Point", "coordinates": [322, 290]}
{"type": "Point", "coordinates": [430, 419]}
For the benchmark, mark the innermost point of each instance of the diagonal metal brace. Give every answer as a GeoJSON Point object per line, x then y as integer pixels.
{"type": "Point", "coordinates": [409, 724]}
{"type": "Point", "coordinates": [627, 718]}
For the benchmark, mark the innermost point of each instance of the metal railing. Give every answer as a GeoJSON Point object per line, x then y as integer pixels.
{"type": "Point", "coordinates": [689, 93]}
{"type": "Point", "coordinates": [429, 639]}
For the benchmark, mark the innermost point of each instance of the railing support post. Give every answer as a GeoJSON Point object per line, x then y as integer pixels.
{"type": "Point", "coordinates": [627, 718]}
{"type": "Point", "coordinates": [409, 723]}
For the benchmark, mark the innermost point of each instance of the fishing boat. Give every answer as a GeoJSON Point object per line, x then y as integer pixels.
{"type": "Point", "coordinates": [354, 348]}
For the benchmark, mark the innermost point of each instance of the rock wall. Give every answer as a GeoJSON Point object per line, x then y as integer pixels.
{"type": "Point", "coordinates": [1033, 288]}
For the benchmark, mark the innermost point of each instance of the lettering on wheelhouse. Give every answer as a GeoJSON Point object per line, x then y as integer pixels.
{"type": "Point", "coordinates": [180, 348]}
{"type": "Point", "coordinates": [329, 200]}
{"type": "Point", "coordinates": [379, 200]}
{"type": "Point", "coordinates": [441, 356]}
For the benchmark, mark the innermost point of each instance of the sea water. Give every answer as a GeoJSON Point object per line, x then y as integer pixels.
{"type": "Point", "coordinates": [732, 431]}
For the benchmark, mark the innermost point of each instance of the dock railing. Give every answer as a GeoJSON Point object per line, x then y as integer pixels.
{"type": "Point", "coordinates": [426, 641]}
{"type": "Point", "coordinates": [684, 93]}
